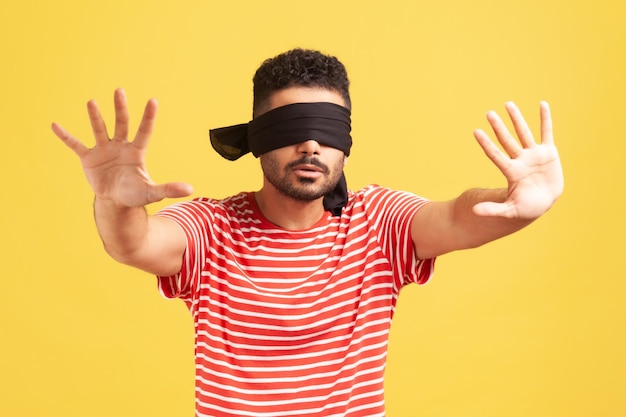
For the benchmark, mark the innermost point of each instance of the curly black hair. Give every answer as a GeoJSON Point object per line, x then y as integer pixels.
{"type": "Point", "coordinates": [299, 68]}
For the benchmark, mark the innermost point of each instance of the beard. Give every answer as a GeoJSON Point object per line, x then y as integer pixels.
{"type": "Point", "coordinates": [301, 189]}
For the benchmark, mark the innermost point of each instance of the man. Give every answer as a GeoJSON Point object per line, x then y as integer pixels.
{"type": "Point", "coordinates": [292, 288]}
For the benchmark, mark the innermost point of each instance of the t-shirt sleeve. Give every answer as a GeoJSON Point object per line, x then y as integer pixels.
{"type": "Point", "coordinates": [194, 218]}
{"type": "Point", "coordinates": [392, 213]}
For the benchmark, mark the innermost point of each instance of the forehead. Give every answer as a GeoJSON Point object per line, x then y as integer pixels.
{"type": "Point", "coordinates": [293, 95]}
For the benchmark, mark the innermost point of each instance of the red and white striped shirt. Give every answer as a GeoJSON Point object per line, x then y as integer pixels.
{"type": "Point", "coordinates": [294, 323]}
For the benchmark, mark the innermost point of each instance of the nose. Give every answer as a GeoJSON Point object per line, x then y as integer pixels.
{"type": "Point", "coordinates": [309, 147]}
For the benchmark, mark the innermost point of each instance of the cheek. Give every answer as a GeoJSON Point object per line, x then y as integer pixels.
{"type": "Point", "coordinates": [272, 163]}
{"type": "Point", "coordinates": [268, 163]}
{"type": "Point", "coordinates": [339, 165]}
{"type": "Point", "coordinates": [342, 160]}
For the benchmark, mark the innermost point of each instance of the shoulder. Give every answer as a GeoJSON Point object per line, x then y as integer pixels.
{"type": "Point", "coordinates": [378, 202]}
{"type": "Point", "coordinates": [376, 193]}
{"type": "Point", "coordinates": [365, 192]}
{"type": "Point", "coordinates": [235, 202]}
{"type": "Point", "coordinates": [238, 206]}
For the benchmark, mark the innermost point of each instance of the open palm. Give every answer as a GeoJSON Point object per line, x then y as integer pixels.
{"type": "Point", "coordinates": [533, 171]}
{"type": "Point", "coordinates": [115, 167]}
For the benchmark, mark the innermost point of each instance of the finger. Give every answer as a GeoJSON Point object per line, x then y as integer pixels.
{"type": "Point", "coordinates": [147, 124]}
{"type": "Point", "coordinates": [121, 115]}
{"type": "Point", "coordinates": [98, 126]}
{"type": "Point", "coordinates": [499, 158]}
{"type": "Point", "coordinates": [524, 134]}
{"type": "Point", "coordinates": [546, 124]}
{"type": "Point", "coordinates": [69, 140]}
{"type": "Point", "coordinates": [508, 142]}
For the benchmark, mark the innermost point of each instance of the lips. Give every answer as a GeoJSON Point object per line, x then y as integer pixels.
{"type": "Point", "coordinates": [307, 167]}
{"type": "Point", "coordinates": [308, 171]}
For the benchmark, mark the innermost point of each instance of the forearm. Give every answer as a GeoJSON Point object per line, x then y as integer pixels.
{"type": "Point", "coordinates": [154, 244]}
{"type": "Point", "coordinates": [474, 230]}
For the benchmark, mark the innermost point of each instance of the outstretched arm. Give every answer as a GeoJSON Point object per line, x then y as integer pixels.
{"type": "Point", "coordinates": [534, 177]}
{"type": "Point", "coordinates": [116, 170]}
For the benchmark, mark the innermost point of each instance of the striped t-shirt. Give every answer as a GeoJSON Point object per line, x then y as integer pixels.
{"type": "Point", "coordinates": [294, 323]}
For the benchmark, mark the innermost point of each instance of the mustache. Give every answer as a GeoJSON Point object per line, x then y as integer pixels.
{"type": "Point", "coordinates": [309, 160]}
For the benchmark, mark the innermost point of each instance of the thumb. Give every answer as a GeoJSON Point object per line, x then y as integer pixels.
{"type": "Point", "coordinates": [170, 190]}
{"type": "Point", "coordinates": [492, 209]}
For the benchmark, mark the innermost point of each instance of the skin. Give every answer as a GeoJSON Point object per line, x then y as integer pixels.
{"type": "Point", "coordinates": [534, 177]}
{"type": "Point", "coordinates": [116, 170]}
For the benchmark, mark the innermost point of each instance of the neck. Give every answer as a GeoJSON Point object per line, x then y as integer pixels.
{"type": "Point", "coordinates": [286, 212]}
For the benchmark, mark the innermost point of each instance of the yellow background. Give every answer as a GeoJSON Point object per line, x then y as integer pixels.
{"type": "Point", "coordinates": [531, 325]}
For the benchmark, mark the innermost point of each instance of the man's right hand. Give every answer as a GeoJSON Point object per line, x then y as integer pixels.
{"type": "Point", "coordinates": [116, 170]}
{"type": "Point", "coordinates": [115, 167]}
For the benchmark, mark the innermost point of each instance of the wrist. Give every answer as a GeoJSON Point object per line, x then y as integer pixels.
{"type": "Point", "coordinates": [105, 204]}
